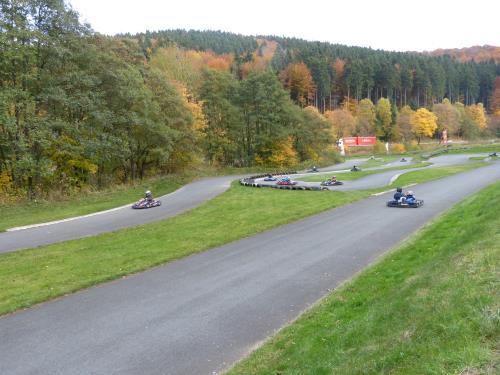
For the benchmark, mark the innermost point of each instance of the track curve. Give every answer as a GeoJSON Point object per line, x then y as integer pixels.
{"type": "Point", "coordinates": [200, 314]}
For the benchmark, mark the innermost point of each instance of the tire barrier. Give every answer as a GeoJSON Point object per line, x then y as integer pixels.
{"type": "Point", "coordinates": [250, 182]}
{"type": "Point", "coordinates": [282, 173]}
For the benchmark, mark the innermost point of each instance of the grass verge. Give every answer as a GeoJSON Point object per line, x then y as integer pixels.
{"type": "Point", "coordinates": [34, 212]}
{"type": "Point", "coordinates": [31, 276]}
{"type": "Point", "coordinates": [430, 174]}
{"type": "Point", "coordinates": [349, 176]}
{"type": "Point", "coordinates": [432, 306]}
{"type": "Point", "coordinates": [26, 213]}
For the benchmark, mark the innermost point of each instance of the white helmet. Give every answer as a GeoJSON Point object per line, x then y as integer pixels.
{"type": "Point", "coordinates": [410, 192]}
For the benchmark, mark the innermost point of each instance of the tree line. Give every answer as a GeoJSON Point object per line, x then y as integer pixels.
{"type": "Point", "coordinates": [78, 109]}
{"type": "Point", "coordinates": [340, 73]}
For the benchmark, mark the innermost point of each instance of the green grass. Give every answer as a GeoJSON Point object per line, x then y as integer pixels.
{"type": "Point", "coordinates": [26, 213]}
{"type": "Point", "coordinates": [479, 157]}
{"type": "Point", "coordinates": [33, 212]}
{"type": "Point", "coordinates": [349, 176]}
{"type": "Point", "coordinates": [431, 306]}
{"type": "Point", "coordinates": [31, 276]}
{"type": "Point", "coordinates": [430, 174]}
{"type": "Point", "coordinates": [379, 160]}
{"type": "Point", "coordinates": [35, 275]}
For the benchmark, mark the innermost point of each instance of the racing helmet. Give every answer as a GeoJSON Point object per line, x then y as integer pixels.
{"type": "Point", "coordinates": [148, 194]}
{"type": "Point", "coordinates": [399, 190]}
{"type": "Point", "coordinates": [410, 192]}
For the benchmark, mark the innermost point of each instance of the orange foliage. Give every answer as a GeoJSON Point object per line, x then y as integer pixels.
{"type": "Point", "coordinates": [298, 80]}
{"type": "Point", "coordinates": [339, 67]}
{"type": "Point", "coordinates": [476, 53]}
{"type": "Point", "coordinates": [398, 148]}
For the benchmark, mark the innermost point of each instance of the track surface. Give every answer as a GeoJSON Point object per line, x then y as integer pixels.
{"type": "Point", "coordinates": [200, 314]}
{"type": "Point", "coordinates": [182, 200]}
{"type": "Point", "coordinates": [179, 201]}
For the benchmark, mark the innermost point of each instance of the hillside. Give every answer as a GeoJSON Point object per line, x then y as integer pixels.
{"type": "Point", "coordinates": [340, 73]}
{"type": "Point", "coordinates": [475, 53]}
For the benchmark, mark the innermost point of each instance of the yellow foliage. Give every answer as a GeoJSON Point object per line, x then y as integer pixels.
{"type": "Point", "coordinates": [5, 182]}
{"type": "Point", "coordinates": [476, 113]}
{"type": "Point", "coordinates": [423, 123]}
{"type": "Point", "coordinates": [398, 148]}
{"type": "Point", "coordinates": [282, 155]}
{"type": "Point", "coordinates": [379, 147]}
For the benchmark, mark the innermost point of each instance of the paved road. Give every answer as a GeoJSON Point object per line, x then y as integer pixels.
{"type": "Point", "coordinates": [184, 199]}
{"type": "Point", "coordinates": [200, 314]}
{"type": "Point", "coordinates": [379, 179]}
{"type": "Point", "coordinates": [179, 201]}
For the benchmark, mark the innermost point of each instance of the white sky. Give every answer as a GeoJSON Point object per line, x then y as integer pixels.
{"type": "Point", "coordinates": [404, 25]}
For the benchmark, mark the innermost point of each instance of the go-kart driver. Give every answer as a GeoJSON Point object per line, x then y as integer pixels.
{"type": "Point", "coordinates": [399, 194]}
{"type": "Point", "coordinates": [148, 196]}
{"type": "Point", "coordinates": [333, 179]}
{"type": "Point", "coordinates": [410, 198]}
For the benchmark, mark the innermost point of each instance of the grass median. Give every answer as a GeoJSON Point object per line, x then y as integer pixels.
{"type": "Point", "coordinates": [31, 276]}
{"type": "Point", "coordinates": [349, 176]}
{"type": "Point", "coordinates": [430, 306]}
{"type": "Point", "coordinates": [34, 212]}
{"type": "Point", "coordinates": [430, 174]}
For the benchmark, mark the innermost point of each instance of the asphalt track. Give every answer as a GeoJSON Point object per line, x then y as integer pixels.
{"type": "Point", "coordinates": [202, 313]}
{"type": "Point", "coordinates": [181, 200]}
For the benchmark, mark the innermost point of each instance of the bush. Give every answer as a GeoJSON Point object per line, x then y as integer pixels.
{"type": "Point", "coordinates": [398, 148]}
{"type": "Point", "coordinates": [379, 148]}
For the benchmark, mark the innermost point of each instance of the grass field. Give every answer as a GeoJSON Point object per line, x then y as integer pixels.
{"type": "Point", "coordinates": [26, 213]}
{"type": "Point", "coordinates": [431, 306]}
{"type": "Point", "coordinates": [430, 174]}
{"type": "Point", "coordinates": [31, 276]}
{"type": "Point", "coordinates": [349, 176]}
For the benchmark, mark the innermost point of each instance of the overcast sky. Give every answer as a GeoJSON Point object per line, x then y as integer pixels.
{"type": "Point", "coordinates": [401, 25]}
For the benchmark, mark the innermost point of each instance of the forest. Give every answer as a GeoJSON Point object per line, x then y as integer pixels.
{"type": "Point", "coordinates": [82, 110]}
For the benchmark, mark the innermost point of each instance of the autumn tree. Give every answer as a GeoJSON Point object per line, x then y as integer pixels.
{"type": "Point", "coordinates": [405, 120]}
{"type": "Point", "coordinates": [447, 117]}
{"type": "Point", "coordinates": [384, 122]}
{"type": "Point", "coordinates": [477, 114]}
{"type": "Point", "coordinates": [424, 124]}
{"type": "Point", "coordinates": [297, 79]}
{"type": "Point", "coordinates": [342, 123]}
{"type": "Point", "coordinates": [365, 118]}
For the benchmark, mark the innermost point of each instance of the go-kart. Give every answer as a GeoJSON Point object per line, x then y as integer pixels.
{"type": "Point", "coordinates": [270, 178]}
{"type": "Point", "coordinates": [355, 169]}
{"type": "Point", "coordinates": [331, 183]}
{"type": "Point", "coordinates": [405, 204]}
{"type": "Point", "coordinates": [286, 181]}
{"type": "Point", "coordinates": [493, 155]}
{"type": "Point", "coordinates": [313, 170]}
{"type": "Point", "coordinates": [403, 160]}
{"type": "Point", "coordinates": [144, 203]}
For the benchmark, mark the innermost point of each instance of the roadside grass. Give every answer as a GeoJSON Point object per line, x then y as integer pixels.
{"type": "Point", "coordinates": [379, 160]}
{"type": "Point", "coordinates": [431, 306]}
{"type": "Point", "coordinates": [39, 274]}
{"type": "Point", "coordinates": [430, 174]}
{"type": "Point", "coordinates": [34, 212]}
{"type": "Point", "coordinates": [457, 149]}
{"type": "Point", "coordinates": [479, 157]}
{"type": "Point", "coordinates": [349, 176]}
{"type": "Point", "coordinates": [31, 276]}
{"type": "Point", "coordinates": [26, 213]}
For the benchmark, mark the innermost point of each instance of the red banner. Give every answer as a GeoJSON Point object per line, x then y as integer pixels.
{"type": "Point", "coordinates": [350, 141]}
{"type": "Point", "coordinates": [367, 141]}
{"type": "Point", "coordinates": [359, 141]}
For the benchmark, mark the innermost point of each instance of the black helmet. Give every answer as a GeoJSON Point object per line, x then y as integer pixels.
{"type": "Point", "coordinates": [399, 190]}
